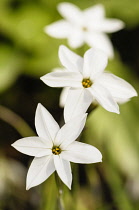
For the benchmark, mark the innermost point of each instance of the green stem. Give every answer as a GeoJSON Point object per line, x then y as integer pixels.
{"type": "Point", "coordinates": [15, 121]}
{"type": "Point", "coordinates": [60, 192]}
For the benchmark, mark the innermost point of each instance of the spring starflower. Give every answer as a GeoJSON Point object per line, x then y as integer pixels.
{"type": "Point", "coordinates": [55, 148]}
{"type": "Point", "coordinates": [87, 81]}
{"type": "Point", "coordinates": [88, 26]}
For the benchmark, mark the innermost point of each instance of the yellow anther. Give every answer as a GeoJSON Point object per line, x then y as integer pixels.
{"type": "Point", "coordinates": [86, 83]}
{"type": "Point", "coordinates": [56, 150]}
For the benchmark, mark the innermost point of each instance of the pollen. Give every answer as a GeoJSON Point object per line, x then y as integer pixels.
{"type": "Point", "coordinates": [86, 83]}
{"type": "Point", "coordinates": [56, 150]}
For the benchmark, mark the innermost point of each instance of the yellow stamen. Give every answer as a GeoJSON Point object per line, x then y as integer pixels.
{"type": "Point", "coordinates": [56, 150]}
{"type": "Point", "coordinates": [86, 83]}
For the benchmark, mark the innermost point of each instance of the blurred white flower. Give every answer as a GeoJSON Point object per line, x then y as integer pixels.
{"type": "Point", "coordinates": [55, 147]}
{"type": "Point", "coordinates": [88, 82]}
{"type": "Point", "coordinates": [89, 26]}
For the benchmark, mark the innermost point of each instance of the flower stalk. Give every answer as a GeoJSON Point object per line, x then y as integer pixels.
{"type": "Point", "coordinates": [60, 192]}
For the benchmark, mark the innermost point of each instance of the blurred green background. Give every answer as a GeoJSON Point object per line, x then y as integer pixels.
{"type": "Point", "coordinates": [26, 53]}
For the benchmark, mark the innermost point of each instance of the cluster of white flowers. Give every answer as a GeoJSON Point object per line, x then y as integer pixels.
{"type": "Point", "coordinates": [84, 81]}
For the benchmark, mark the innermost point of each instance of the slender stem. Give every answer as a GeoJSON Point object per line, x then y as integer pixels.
{"type": "Point", "coordinates": [15, 121]}
{"type": "Point", "coordinates": [60, 192]}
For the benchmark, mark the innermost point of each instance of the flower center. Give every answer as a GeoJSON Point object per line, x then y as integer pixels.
{"type": "Point", "coordinates": [56, 150]}
{"type": "Point", "coordinates": [84, 28]}
{"type": "Point", "coordinates": [86, 83]}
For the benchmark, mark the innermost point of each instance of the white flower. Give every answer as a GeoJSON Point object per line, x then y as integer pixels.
{"type": "Point", "coordinates": [64, 94]}
{"type": "Point", "coordinates": [55, 147]}
{"type": "Point", "coordinates": [88, 81]}
{"type": "Point", "coordinates": [87, 26]}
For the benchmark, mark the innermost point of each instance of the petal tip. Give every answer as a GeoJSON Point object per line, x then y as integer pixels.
{"type": "Point", "coordinates": [42, 78]}
{"type": "Point", "coordinates": [86, 114]}
{"type": "Point", "coordinates": [135, 94]}
{"type": "Point", "coordinates": [13, 145]}
{"type": "Point", "coordinates": [39, 106]}
{"type": "Point", "coordinates": [100, 158]}
{"type": "Point", "coordinates": [62, 47]}
{"type": "Point", "coordinates": [99, 5]}
{"type": "Point", "coordinates": [45, 79]}
{"type": "Point", "coordinates": [62, 5]}
{"type": "Point", "coordinates": [48, 30]}
{"type": "Point", "coordinates": [61, 50]}
{"type": "Point", "coordinates": [69, 185]}
{"type": "Point", "coordinates": [59, 6]}
{"type": "Point", "coordinates": [28, 187]}
{"type": "Point", "coordinates": [121, 24]}
{"type": "Point", "coordinates": [117, 111]}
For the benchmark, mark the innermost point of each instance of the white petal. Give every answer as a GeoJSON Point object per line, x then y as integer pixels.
{"type": "Point", "coordinates": [70, 131]}
{"type": "Point", "coordinates": [121, 101]}
{"type": "Point", "coordinates": [46, 126]}
{"type": "Point", "coordinates": [33, 146]}
{"type": "Point", "coordinates": [59, 29]}
{"type": "Point", "coordinates": [104, 98]}
{"type": "Point", "coordinates": [95, 13]}
{"type": "Point", "coordinates": [63, 96]}
{"type": "Point", "coordinates": [110, 25]}
{"type": "Point", "coordinates": [76, 38]}
{"type": "Point", "coordinates": [78, 101]}
{"type": "Point", "coordinates": [58, 69]}
{"type": "Point", "coordinates": [70, 12]}
{"type": "Point", "coordinates": [70, 60]}
{"type": "Point", "coordinates": [40, 169]}
{"type": "Point", "coordinates": [63, 169]}
{"type": "Point", "coordinates": [100, 41]}
{"type": "Point", "coordinates": [118, 87]}
{"type": "Point", "coordinates": [62, 79]}
{"type": "Point", "coordinates": [78, 152]}
{"type": "Point", "coordinates": [95, 62]}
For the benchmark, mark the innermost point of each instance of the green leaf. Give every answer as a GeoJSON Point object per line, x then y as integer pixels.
{"type": "Point", "coordinates": [9, 66]}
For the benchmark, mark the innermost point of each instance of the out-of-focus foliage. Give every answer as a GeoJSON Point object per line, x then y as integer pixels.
{"type": "Point", "coordinates": [26, 53]}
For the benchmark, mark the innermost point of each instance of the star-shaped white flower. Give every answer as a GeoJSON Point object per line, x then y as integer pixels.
{"type": "Point", "coordinates": [64, 94]}
{"type": "Point", "coordinates": [89, 26]}
{"type": "Point", "coordinates": [87, 82]}
{"type": "Point", "coordinates": [55, 147]}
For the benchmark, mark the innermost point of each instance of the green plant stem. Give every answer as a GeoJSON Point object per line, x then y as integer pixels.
{"type": "Point", "coordinates": [60, 192]}
{"type": "Point", "coordinates": [15, 121]}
